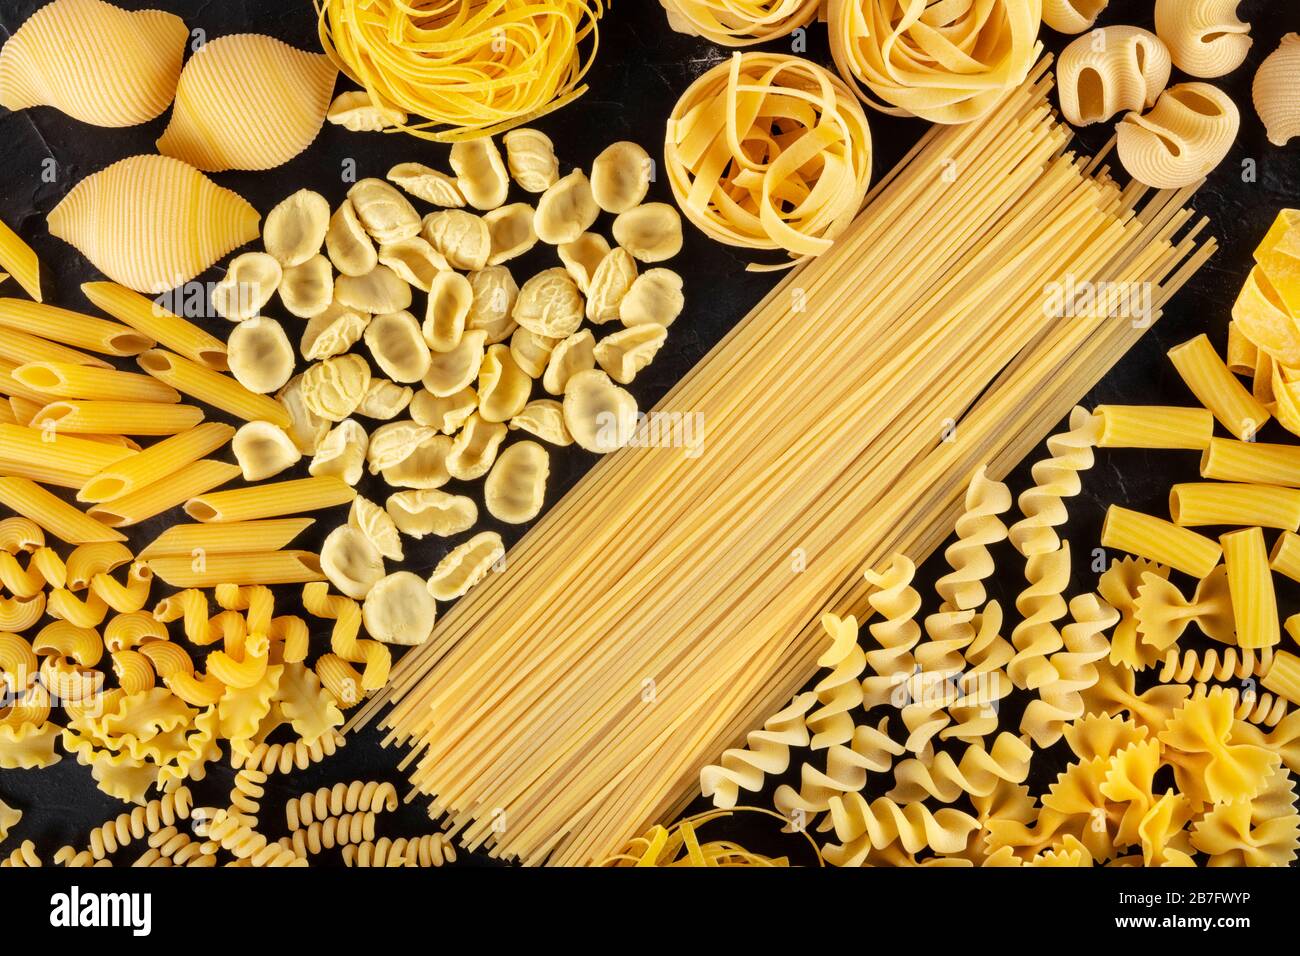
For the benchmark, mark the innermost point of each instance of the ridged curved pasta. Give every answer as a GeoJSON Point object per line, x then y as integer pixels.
{"type": "Point", "coordinates": [766, 751]}
{"type": "Point", "coordinates": [1072, 16]}
{"type": "Point", "coordinates": [978, 773]}
{"type": "Point", "coordinates": [1205, 37]}
{"type": "Point", "coordinates": [1181, 139]}
{"type": "Point", "coordinates": [1110, 71]}
{"type": "Point", "coordinates": [862, 826]}
{"type": "Point", "coordinates": [1055, 478]}
{"type": "Point", "coordinates": [365, 796]}
{"type": "Point", "coordinates": [1040, 604]}
{"type": "Point", "coordinates": [897, 602]}
{"type": "Point", "coordinates": [1274, 91]}
{"type": "Point", "coordinates": [432, 849]}
{"type": "Point", "coordinates": [1060, 701]}
{"type": "Point", "coordinates": [151, 223]}
{"type": "Point", "coordinates": [977, 527]}
{"type": "Point", "coordinates": [96, 62]}
{"type": "Point", "coordinates": [247, 101]}
{"type": "Point", "coordinates": [286, 757]}
{"type": "Point", "coordinates": [740, 23]}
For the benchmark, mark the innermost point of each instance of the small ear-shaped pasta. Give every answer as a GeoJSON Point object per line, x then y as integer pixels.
{"type": "Point", "coordinates": [474, 449]}
{"type": "Point", "coordinates": [466, 565]}
{"type": "Point", "coordinates": [347, 243]}
{"type": "Point", "coordinates": [428, 511]}
{"type": "Point", "coordinates": [515, 489]}
{"type": "Point", "coordinates": [510, 230]}
{"type": "Point", "coordinates": [446, 413]}
{"type": "Point", "coordinates": [655, 296]}
{"type": "Point", "coordinates": [480, 173]}
{"type": "Point", "coordinates": [493, 308]}
{"type": "Point", "coordinates": [543, 417]}
{"type": "Point", "coordinates": [450, 299]}
{"type": "Point", "coordinates": [425, 467]}
{"type": "Point", "coordinates": [620, 177]}
{"type": "Point", "coordinates": [306, 428]}
{"type": "Point", "coordinates": [307, 289]}
{"type": "Point", "coordinates": [414, 260]}
{"type": "Point", "coordinates": [385, 400]}
{"type": "Point", "coordinates": [1072, 16]}
{"type": "Point", "coordinates": [549, 304]}
{"type": "Point", "coordinates": [260, 355]}
{"type": "Point", "coordinates": [566, 210]}
{"type": "Point", "coordinates": [374, 522]}
{"type": "Point", "coordinates": [263, 450]}
{"type": "Point", "coordinates": [295, 229]}
{"type": "Point", "coordinates": [503, 387]}
{"type": "Point", "coordinates": [427, 184]}
{"type": "Point", "coordinates": [1206, 38]}
{"type": "Point", "coordinates": [582, 256]}
{"type": "Point", "coordinates": [398, 347]}
{"type": "Point", "coordinates": [379, 290]}
{"type": "Point", "coordinates": [1111, 70]}
{"type": "Point", "coordinates": [652, 232]}
{"type": "Point", "coordinates": [351, 561]}
{"type": "Point", "coordinates": [460, 237]}
{"type": "Point", "coordinates": [393, 443]}
{"type": "Point", "coordinates": [152, 223]}
{"type": "Point", "coordinates": [354, 110]}
{"type": "Point", "coordinates": [600, 416]}
{"type": "Point", "coordinates": [531, 351]}
{"type": "Point", "coordinates": [247, 101]}
{"type": "Point", "coordinates": [334, 388]}
{"type": "Point", "coordinates": [1276, 91]}
{"type": "Point", "coordinates": [385, 213]}
{"type": "Point", "coordinates": [1185, 135]}
{"type": "Point", "coordinates": [530, 154]}
{"type": "Point", "coordinates": [399, 610]}
{"type": "Point", "coordinates": [94, 61]}
{"type": "Point", "coordinates": [455, 369]}
{"type": "Point", "coordinates": [342, 453]}
{"type": "Point", "coordinates": [249, 282]}
{"type": "Point", "coordinates": [611, 281]}
{"type": "Point", "coordinates": [575, 354]}
{"type": "Point", "coordinates": [625, 353]}
{"type": "Point", "coordinates": [332, 332]}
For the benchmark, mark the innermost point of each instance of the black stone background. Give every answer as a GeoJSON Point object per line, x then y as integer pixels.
{"type": "Point", "coordinates": [641, 69]}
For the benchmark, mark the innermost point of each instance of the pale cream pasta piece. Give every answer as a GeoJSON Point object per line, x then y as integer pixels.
{"type": "Point", "coordinates": [610, 282]}
{"type": "Point", "coordinates": [549, 304]}
{"type": "Point", "coordinates": [465, 566]}
{"type": "Point", "coordinates": [333, 332]}
{"type": "Point", "coordinates": [566, 210]}
{"type": "Point", "coordinates": [250, 281]}
{"type": "Point", "coordinates": [1254, 602]}
{"type": "Point", "coordinates": [374, 522]}
{"type": "Point", "coordinates": [155, 463]}
{"type": "Point", "coordinates": [399, 610]}
{"type": "Point", "coordinates": [574, 354]}
{"type": "Point", "coordinates": [423, 512]}
{"type": "Point", "coordinates": [474, 448]}
{"type": "Point", "coordinates": [263, 450]}
{"type": "Point", "coordinates": [385, 400]}
{"type": "Point", "coordinates": [55, 516]}
{"type": "Point", "coordinates": [1109, 71]}
{"type": "Point", "coordinates": [305, 427]}
{"type": "Point", "coordinates": [427, 184]}
{"type": "Point", "coordinates": [351, 561]}
{"type": "Point", "coordinates": [530, 156]}
{"type": "Point", "coordinates": [354, 110]}
{"type": "Point", "coordinates": [295, 229]}
{"type": "Point", "coordinates": [531, 351]}
{"type": "Point", "coordinates": [260, 355]}
{"type": "Point", "coordinates": [447, 310]}
{"type": "Point", "coordinates": [503, 387]}
{"type": "Point", "coordinates": [393, 443]}
{"type": "Point", "coordinates": [1226, 459]}
{"type": "Point", "coordinates": [510, 232]}
{"type": "Point", "coordinates": [342, 452]}
{"type": "Point", "coordinates": [164, 494]}
{"type": "Point", "coordinates": [460, 237]}
{"type": "Point", "coordinates": [347, 244]}
{"type": "Point", "coordinates": [213, 387]}
{"type": "Point", "coordinates": [1072, 16]}
{"type": "Point", "coordinates": [64, 380]}
{"type": "Point", "coordinates": [96, 62]}
{"type": "Point", "coordinates": [72, 328]}
{"type": "Point", "coordinates": [397, 346]}
{"type": "Point", "coordinates": [451, 371]}
{"type": "Point", "coordinates": [1193, 504]}
{"type": "Point", "coordinates": [620, 177]}
{"type": "Point", "coordinates": [447, 413]}
{"type": "Point", "coordinates": [335, 387]}
{"type": "Point", "coordinates": [234, 538]}
{"type": "Point", "coordinates": [272, 500]}
{"type": "Point", "coordinates": [543, 417]}
{"type": "Point", "coordinates": [480, 173]}
{"type": "Point", "coordinates": [625, 353]}
{"type": "Point", "coordinates": [415, 261]}
{"type": "Point", "coordinates": [20, 259]}
{"type": "Point", "coordinates": [75, 417]}
{"type": "Point", "coordinates": [1181, 139]}
{"type": "Point", "coordinates": [601, 416]}
{"type": "Point", "coordinates": [1275, 91]}
{"type": "Point", "coordinates": [379, 290]}
{"type": "Point", "coordinates": [307, 289]}
{"type": "Point", "coordinates": [1205, 37]}
{"type": "Point", "coordinates": [741, 22]}
{"type": "Point", "coordinates": [1154, 426]}
{"type": "Point", "coordinates": [254, 568]}
{"type": "Point", "coordinates": [515, 489]}
{"type": "Point", "coordinates": [651, 232]}
{"type": "Point", "coordinates": [582, 256]}
{"type": "Point", "coordinates": [1160, 541]}
{"type": "Point", "coordinates": [247, 101]}
{"type": "Point", "coordinates": [152, 223]}
{"type": "Point", "coordinates": [656, 296]}
{"type": "Point", "coordinates": [1285, 556]}
{"type": "Point", "coordinates": [167, 328]}
{"type": "Point", "coordinates": [495, 296]}
{"type": "Point", "coordinates": [1218, 389]}
{"type": "Point", "coordinates": [425, 466]}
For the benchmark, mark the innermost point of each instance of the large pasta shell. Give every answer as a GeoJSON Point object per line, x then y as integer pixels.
{"type": "Point", "coordinates": [1185, 135]}
{"type": "Point", "coordinates": [94, 61]}
{"type": "Point", "coordinates": [151, 223]}
{"type": "Point", "coordinates": [248, 101]}
{"type": "Point", "coordinates": [1276, 91]}
{"type": "Point", "coordinates": [1205, 37]}
{"type": "Point", "coordinates": [1111, 70]}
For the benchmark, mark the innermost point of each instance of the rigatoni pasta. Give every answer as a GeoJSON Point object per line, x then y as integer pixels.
{"type": "Point", "coordinates": [1285, 556]}
{"type": "Point", "coordinates": [1143, 426]}
{"type": "Point", "coordinates": [1160, 541]}
{"type": "Point", "coordinates": [1206, 503]}
{"type": "Point", "coordinates": [1226, 459]}
{"type": "Point", "coordinates": [1254, 602]}
{"type": "Point", "coordinates": [1218, 389]}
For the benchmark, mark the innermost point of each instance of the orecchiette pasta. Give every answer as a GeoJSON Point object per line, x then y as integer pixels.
{"type": "Point", "coordinates": [351, 561]}
{"type": "Point", "coordinates": [510, 232]}
{"type": "Point", "coordinates": [453, 370]}
{"type": "Point", "coordinates": [530, 155]}
{"type": "Point", "coordinates": [354, 110]}
{"type": "Point", "coordinates": [549, 304]}
{"type": "Point", "coordinates": [531, 351]}
{"type": "Point", "coordinates": [427, 184]}
{"type": "Point", "coordinates": [1072, 16]}
{"type": "Point", "coordinates": [1111, 70]}
{"type": "Point", "coordinates": [393, 443]}
{"type": "Point", "coordinates": [1205, 37]}
{"type": "Point", "coordinates": [398, 347]}
{"type": "Point", "coordinates": [503, 387]}
{"type": "Point", "coordinates": [474, 448]}
{"type": "Point", "coordinates": [655, 296]}
{"type": "Point", "coordinates": [347, 244]}
{"type": "Point", "coordinates": [620, 177]}
{"type": "Point", "coordinates": [250, 281]}
{"type": "Point", "coordinates": [307, 289]}
{"type": "Point", "coordinates": [263, 450]}
{"type": "Point", "coordinates": [1185, 135]}
{"type": "Point", "coordinates": [652, 232]}
{"type": "Point", "coordinates": [385, 400]}
{"type": "Point", "coordinates": [399, 610]}
{"type": "Point", "coordinates": [425, 467]}
{"type": "Point", "coordinates": [260, 355]}
{"type": "Point", "coordinates": [379, 290]}
{"type": "Point", "coordinates": [306, 428]}
{"type": "Point", "coordinates": [332, 332]}
{"type": "Point", "coordinates": [374, 522]}
{"type": "Point", "coordinates": [625, 353]}
{"type": "Point", "coordinates": [460, 237]}
{"type": "Point", "coordinates": [1276, 91]}
{"type": "Point", "coordinates": [600, 416]}
{"type": "Point", "coordinates": [492, 310]}
{"type": "Point", "coordinates": [543, 417]}
{"type": "Point", "coordinates": [582, 256]}
{"type": "Point", "coordinates": [385, 213]}
{"type": "Point", "coordinates": [465, 566]}
{"type": "Point", "coordinates": [443, 412]}
{"type": "Point", "coordinates": [566, 210]}
{"type": "Point", "coordinates": [414, 260]}
{"type": "Point", "coordinates": [575, 354]}
{"type": "Point", "coordinates": [342, 452]}
{"type": "Point", "coordinates": [428, 511]}
{"type": "Point", "coordinates": [516, 486]}
{"type": "Point", "coordinates": [295, 229]}
{"type": "Point", "coordinates": [480, 173]}
{"type": "Point", "coordinates": [610, 282]}
{"type": "Point", "coordinates": [450, 298]}
{"type": "Point", "coordinates": [335, 387]}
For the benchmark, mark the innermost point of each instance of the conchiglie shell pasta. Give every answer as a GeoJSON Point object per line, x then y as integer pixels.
{"type": "Point", "coordinates": [600, 416]}
{"type": "Point", "coordinates": [385, 400]}
{"type": "Point", "coordinates": [398, 347]}
{"type": "Point", "coordinates": [656, 296]}
{"type": "Point", "coordinates": [296, 227]}
{"type": "Point", "coordinates": [625, 353]}
{"type": "Point", "coordinates": [414, 261]}
{"type": "Point", "coordinates": [307, 289]}
{"type": "Point", "coordinates": [374, 522]}
{"type": "Point", "coordinates": [566, 210]}
{"type": "Point", "coordinates": [549, 304]}
{"type": "Point", "coordinates": [530, 154]}
{"type": "Point", "coordinates": [250, 281]}
{"type": "Point", "coordinates": [1276, 91]}
{"type": "Point", "coordinates": [493, 307]}
{"type": "Point", "coordinates": [429, 511]}
{"type": "Point", "coordinates": [515, 489]}
{"type": "Point", "coordinates": [426, 467]}
{"type": "Point", "coordinates": [611, 281]}
{"type": "Point", "coordinates": [474, 449]}
{"type": "Point", "coordinates": [503, 387]}
{"type": "Point", "coordinates": [582, 256]}
{"type": "Point", "coordinates": [1109, 71]}
{"type": "Point", "coordinates": [510, 230]}
{"type": "Point", "coordinates": [480, 173]}
{"type": "Point", "coordinates": [379, 290]}
{"type": "Point", "coordinates": [461, 237]}
{"type": "Point", "coordinates": [151, 223]}
{"type": "Point", "coordinates": [247, 101]}
{"type": "Point", "coordinates": [652, 232]}
{"type": "Point", "coordinates": [260, 355]}
{"type": "Point", "coordinates": [351, 561]}
{"type": "Point", "coordinates": [1185, 135]}
{"type": "Point", "coordinates": [393, 443]}
{"type": "Point", "coordinates": [356, 111]}
{"type": "Point", "coordinates": [569, 357]}
{"type": "Point", "coordinates": [94, 61]}
{"type": "Point", "coordinates": [453, 370]}
{"type": "Point", "coordinates": [347, 244]}
{"type": "Point", "coordinates": [531, 351]}
{"type": "Point", "coordinates": [342, 453]}
{"type": "Point", "coordinates": [385, 213]}
{"type": "Point", "coordinates": [446, 413]}
{"type": "Point", "coordinates": [447, 309]}
{"type": "Point", "coordinates": [1206, 38]}
{"type": "Point", "coordinates": [465, 566]}
{"type": "Point", "coordinates": [1072, 16]}
{"type": "Point", "coordinates": [620, 177]}
{"type": "Point", "coordinates": [399, 610]}
{"type": "Point", "coordinates": [263, 450]}
{"type": "Point", "coordinates": [332, 332]}
{"type": "Point", "coordinates": [428, 184]}
{"type": "Point", "coordinates": [544, 418]}
{"type": "Point", "coordinates": [334, 388]}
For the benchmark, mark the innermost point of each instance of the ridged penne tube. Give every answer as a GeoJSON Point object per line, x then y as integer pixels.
{"type": "Point", "coordinates": [1254, 602]}
{"type": "Point", "coordinates": [1283, 678]}
{"type": "Point", "coordinates": [271, 500]}
{"type": "Point", "coordinates": [1153, 426]}
{"type": "Point", "coordinates": [21, 348]}
{"type": "Point", "coordinates": [64, 380]}
{"type": "Point", "coordinates": [1226, 459]}
{"type": "Point", "coordinates": [168, 329]}
{"type": "Point", "coordinates": [117, 418]}
{"type": "Point", "coordinates": [215, 388]}
{"type": "Point", "coordinates": [1160, 541]}
{"type": "Point", "coordinates": [96, 62]}
{"type": "Point", "coordinates": [54, 515]}
{"type": "Point", "coordinates": [152, 223]}
{"type": "Point", "coordinates": [1285, 556]}
{"type": "Point", "coordinates": [75, 456]}
{"type": "Point", "coordinates": [266, 567]}
{"type": "Point", "coordinates": [72, 328]}
{"type": "Point", "coordinates": [1218, 389]}
{"type": "Point", "coordinates": [1192, 504]}
{"type": "Point", "coordinates": [18, 257]}
{"type": "Point", "coordinates": [1276, 91]}
{"type": "Point", "coordinates": [15, 388]}
{"type": "Point", "coordinates": [232, 538]}
{"type": "Point", "coordinates": [167, 492]}
{"type": "Point", "coordinates": [155, 463]}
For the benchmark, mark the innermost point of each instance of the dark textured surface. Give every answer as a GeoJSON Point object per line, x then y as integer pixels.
{"type": "Point", "coordinates": [641, 70]}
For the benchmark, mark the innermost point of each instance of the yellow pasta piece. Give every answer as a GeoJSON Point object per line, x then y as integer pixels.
{"type": "Point", "coordinates": [1273, 91]}
{"type": "Point", "coordinates": [58, 453]}
{"type": "Point", "coordinates": [152, 223]}
{"type": "Point", "coordinates": [19, 348]}
{"type": "Point", "coordinates": [117, 418]}
{"type": "Point", "coordinates": [247, 101]}
{"type": "Point", "coordinates": [72, 328]}
{"type": "Point", "coordinates": [1205, 37]}
{"type": "Point", "coordinates": [1218, 389]}
{"type": "Point", "coordinates": [150, 318]}
{"type": "Point", "coordinates": [1285, 556]}
{"type": "Point", "coordinates": [11, 385]}
{"type": "Point", "coordinates": [1204, 503]}
{"type": "Point", "coordinates": [1254, 603]}
{"type": "Point", "coordinates": [1242, 357]}
{"type": "Point", "coordinates": [172, 489]}
{"type": "Point", "coordinates": [15, 255]}
{"type": "Point", "coordinates": [63, 380]}
{"type": "Point", "coordinates": [53, 514]}
{"type": "Point", "coordinates": [740, 22]}
{"type": "Point", "coordinates": [1160, 541]}
{"type": "Point", "coordinates": [232, 538]}
{"type": "Point", "coordinates": [1226, 459]}
{"type": "Point", "coordinates": [1283, 678]}
{"type": "Point", "coordinates": [271, 500]}
{"type": "Point", "coordinates": [1113, 69]}
{"type": "Point", "coordinates": [1150, 426]}
{"type": "Point", "coordinates": [1181, 139]}
{"type": "Point", "coordinates": [155, 463]}
{"type": "Point", "coordinates": [213, 387]}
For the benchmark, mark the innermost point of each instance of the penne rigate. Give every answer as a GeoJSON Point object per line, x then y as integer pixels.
{"type": "Point", "coordinates": [20, 260]}
{"type": "Point", "coordinates": [1226, 459]}
{"type": "Point", "coordinates": [1285, 556]}
{"type": "Point", "coordinates": [166, 493]}
{"type": "Point", "coordinates": [1160, 541]}
{"type": "Point", "coordinates": [24, 409]}
{"type": "Point", "coordinates": [154, 463]}
{"type": "Point", "coordinates": [1217, 388]}
{"type": "Point", "coordinates": [11, 385]}
{"type": "Point", "coordinates": [72, 328]}
{"type": "Point", "coordinates": [21, 348]}
{"type": "Point", "coordinates": [267, 567]}
{"type": "Point", "coordinates": [165, 327]}
{"type": "Point", "coordinates": [271, 500]}
{"type": "Point", "coordinates": [1250, 585]}
{"type": "Point", "coordinates": [213, 387]}
{"type": "Point", "coordinates": [61, 452]}
{"type": "Point", "coordinates": [1192, 504]}
{"type": "Point", "coordinates": [58, 518]}
{"type": "Point", "coordinates": [63, 380]}
{"type": "Point", "coordinates": [1150, 426]}
{"type": "Point", "coordinates": [233, 538]}
{"type": "Point", "coordinates": [117, 418]}
{"type": "Point", "coordinates": [7, 414]}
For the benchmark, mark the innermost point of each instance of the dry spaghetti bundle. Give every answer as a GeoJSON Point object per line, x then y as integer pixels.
{"type": "Point", "coordinates": [670, 602]}
{"type": "Point", "coordinates": [468, 67]}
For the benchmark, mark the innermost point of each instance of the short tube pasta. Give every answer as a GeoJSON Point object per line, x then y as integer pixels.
{"type": "Point", "coordinates": [128, 474]}
{"type": "Point", "coordinates": [213, 387]}
{"type": "Point", "coordinates": [271, 500]}
{"type": "Point", "coordinates": [59, 453]}
{"type": "Point", "coordinates": [265, 567]}
{"type": "Point", "coordinates": [19, 259]}
{"type": "Point", "coordinates": [1158, 540]}
{"type": "Point", "coordinates": [1217, 388]}
{"type": "Point", "coordinates": [165, 327]}
{"type": "Point", "coordinates": [1283, 677]}
{"type": "Point", "coordinates": [54, 515]}
{"type": "Point", "coordinates": [169, 491]}
{"type": "Point", "coordinates": [118, 418]}
{"type": "Point", "coordinates": [1226, 459]}
{"type": "Point", "coordinates": [64, 380]}
{"type": "Point", "coordinates": [1285, 556]}
{"type": "Point", "coordinates": [1254, 602]}
{"type": "Point", "coordinates": [21, 348]}
{"type": "Point", "coordinates": [232, 538]}
{"type": "Point", "coordinates": [1204, 503]}
{"type": "Point", "coordinates": [1153, 426]}
{"type": "Point", "coordinates": [72, 328]}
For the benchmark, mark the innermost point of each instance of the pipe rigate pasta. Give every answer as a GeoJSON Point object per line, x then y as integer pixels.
{"type": "Point", "coordinates": [543, 417]}
{"type": "Point", "coordinates": [1072, 16]}
{"type": "Point", "coordinates": [620, 177]}
{"type": "Point", "coordinates": [531, 351]}
{"type": "Point", "coordinates": [341, 453]}
{"type": "Point", "coordinates": [493, 307]}
{"type": "Point", "coordinates": [1274, 91]}
{"type": "Point", "coordinates": [651, 232]}
{"type": "Point", "coordinates": [600, 416]}
{"type": "Point", "coordinates": [625, 353]}
{"type": "Point", "coordinates": [250, 281]}
{"type": "Point", "coordinates": [307, 289]}
{"type": "Point", "coordinates": [96, 62]}
{"type": "Point", "coordinates": [385, 213]}
{"type": "Point", "coordinates": [351, 561]}
{"type": "Point", "coordinates": [447, 413]}
{"type": "Point", "coordinates": [480, 172]}
{"type": "Point", "coordinates": [1108, 71]}
{"type": "Point", "coordinates": [1185, 135]}
{"type": "Point", "coordinates": [263, 450]}
{"type": "Point", "coordinates": [572, 355]}
{"type": "Point", "coordinates": [399, 610]}
{"type": "Point", "coordinates": [530, 155]}
{"type": "Point", "coordinates": [385, 400]}
{"type": "Point", "coordinates": [447, 309]}
{"type": "Point", "coordinates": [582, 256]}
{"type": "Point", "coordinates": [610, 282]}
{"type": "Point", "coordinates": [429, 511]}
{"type": "Point", "coordinates": [566, 210]}
{"type": "Point", "coordinates": [465, 566]}
{"type": "Point", "coordinates": [515, 489]}
{"type": "Point", "coordinates": [503, 387]}
{"type": "Point", "coordinates": [295, 229]}
{"type": "Point", "coordinates": [398, 347]}
{"type": "Point", "coordinates": [379, 290]}
{"type": "Point", "coordinates": [1205, 37]}
{"type": "Point", "coordinates": [347, 244]}
{"type": "Point", "coordinates": [457, 368]}
{"type": "Point", "coordinates": [425, 466]}
{"type": "Point", "coordinates": [260, 355]}
{"type": "Point", "coordinates": [354, 110]}
{"type": "Point", "coordinates": [549, 304]}
{"type": "Point", "coordinates": [151, 223]}
{"type": "Point", "coordinates": [374, 522]}
{"type": "Point", "coordinates": [414, 261]}
{"type": "Point", "coordinates": [218, 124]}
{"type": "Point", "coordinates": [656, 296]}
{"type": "Point", "coordinates": [474, 448]}
{"type": "Point", "coordinates": [333, 332]}
{"type": "Point", "coordinates": [427, 184]}
{"type": "Point", "coordinates": [740, 22]}
{"type": "Point", "coordinates": [510, 232]}
{"type": "Point", "coordinates": [460, 237]}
